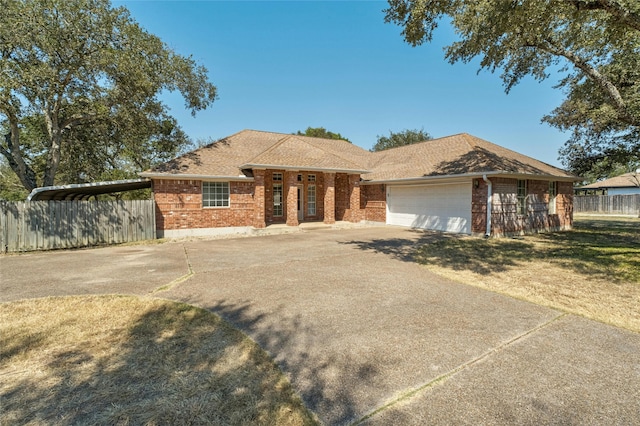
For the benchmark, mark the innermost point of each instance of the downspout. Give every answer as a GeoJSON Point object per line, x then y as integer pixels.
{"type": "Point", "coordinates": [489, 196]}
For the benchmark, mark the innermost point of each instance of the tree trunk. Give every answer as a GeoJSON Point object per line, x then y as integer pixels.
{"type": "Point", "coordinates": [53, 158]}
{"type": "Point", "coordinates": [14, 156]}
{"type": "Point", "coordinates": [55, 139]}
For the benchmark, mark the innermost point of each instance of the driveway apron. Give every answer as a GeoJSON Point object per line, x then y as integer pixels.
{"type": "Point", "coordinates": [364, 334]}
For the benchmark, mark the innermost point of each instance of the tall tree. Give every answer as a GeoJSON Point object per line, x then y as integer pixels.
{"type": "Point", "coordinates": [595, 43]}
{"type": "Point", "coordinates": [321, 132]}
{"type": "Point", "coordinates": [81, 80]}
{"type": "Point", "coordinates": [396, 139]}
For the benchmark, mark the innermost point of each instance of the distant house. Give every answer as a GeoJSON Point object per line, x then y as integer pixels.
{"type": "Point", "coordinates": [460, 184]}
{"type": "Point", "coordinates": [626, 184]}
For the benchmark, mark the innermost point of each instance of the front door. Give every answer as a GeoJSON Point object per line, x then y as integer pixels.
{"type": "Point", "coordinates": [300, 204]}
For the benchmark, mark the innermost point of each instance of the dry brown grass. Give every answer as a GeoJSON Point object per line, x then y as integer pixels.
{"type": "Point", "coordinates": [593, 270]}
{"type": "Point", "coordinates": [127, 360]}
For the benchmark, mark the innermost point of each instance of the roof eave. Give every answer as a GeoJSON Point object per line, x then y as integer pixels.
{"type": "Point", "coordinates": [298, 168]}
{"type": "Point", "coordinates": [421, 179]}
{"type": "Point", "coordinates": [175, 176]}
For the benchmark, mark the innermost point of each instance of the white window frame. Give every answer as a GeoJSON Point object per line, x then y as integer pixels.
{"type": "Point", "coordinates": [521, 196]}
{"type": "Point", "coordinates": [553, 194]}
{"type": "Point", "coordinates": [215, 195]}
{"type": "Point", "coordinates": [278, 200]}
{"type": "Point", "coordinates": [311, 200]}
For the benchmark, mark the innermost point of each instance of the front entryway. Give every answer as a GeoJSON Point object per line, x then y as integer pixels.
{"type": "Point", "coordinates": [300, 204]}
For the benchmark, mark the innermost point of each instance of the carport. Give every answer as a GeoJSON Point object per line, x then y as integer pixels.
{"type": "Point", "coordinates": [84, 191]}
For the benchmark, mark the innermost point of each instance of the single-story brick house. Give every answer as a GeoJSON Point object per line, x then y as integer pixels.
{"type": "Point", "coordinates": [253, 179]}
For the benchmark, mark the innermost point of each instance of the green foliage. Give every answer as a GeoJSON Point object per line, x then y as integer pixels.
{"type": "Point", "coordinates": [321, 132]}
{"type": "Point", "coordinates": [595, 43]}
{"type": "Point", "coordinates": [405, 137]}
{"type": "Point", "coordinates": [79, 92]}
{"type": "Point", "coordinates": [10, 187]}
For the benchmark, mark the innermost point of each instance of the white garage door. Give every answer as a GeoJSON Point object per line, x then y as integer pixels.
{"type": "Point", "coordinates": [439, 207]}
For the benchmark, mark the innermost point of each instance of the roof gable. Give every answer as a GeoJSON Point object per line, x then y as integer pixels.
{"type": "Point", "coordinates": [455, 155]}
{"type": "Point", "coordinates": [298, 152]}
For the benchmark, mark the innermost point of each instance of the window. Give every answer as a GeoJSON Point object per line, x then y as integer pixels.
{"type": "Point", "coordinates": [311, 200]}
{"type": "Point", "coordinates": [522, 197]}
{"type": "Point", "coordinates": [553, 191]}
{"type": "Point", "coordinates": [311, 178]}
{"type": "Point", "coordinates": [277, 177]}
{"type": "Point", "coordinates": [277, 199]}
{"type": "Point", "coordinates": [215, 194]}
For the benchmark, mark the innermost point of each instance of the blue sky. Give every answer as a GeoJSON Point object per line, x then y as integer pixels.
{"type": "Point", "coordinates": [283, 66]}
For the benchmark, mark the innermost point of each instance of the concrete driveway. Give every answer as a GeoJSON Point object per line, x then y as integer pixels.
{"type": "Point", "coordinates": [364, 334]}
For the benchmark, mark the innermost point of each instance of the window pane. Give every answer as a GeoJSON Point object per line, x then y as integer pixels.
{"type": "Point", "coordinates": [553, 191]}
{"type": "Point", "coordinates": [522, 197]}
{"type": "Point", "coordinates": [277, 199]}
{"type": "Point", "coordinates": [215, 194]}
{"type": "Point", "coordinates": [311, 200]}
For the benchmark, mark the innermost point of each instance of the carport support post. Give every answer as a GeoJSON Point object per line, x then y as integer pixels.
{"type": "Point", "coordinates": [329, 198]}
{"type": "Point", "coordinates": [258, 199]}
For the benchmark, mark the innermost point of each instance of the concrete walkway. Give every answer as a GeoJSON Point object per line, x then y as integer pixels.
{"type": "Point", "coordinates": [367, 336]}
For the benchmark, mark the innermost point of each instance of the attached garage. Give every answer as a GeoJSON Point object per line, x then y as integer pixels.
{"type": "Point", "coordinates": [441, 207]}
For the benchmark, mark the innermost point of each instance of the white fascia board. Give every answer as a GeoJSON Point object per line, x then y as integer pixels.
{"type": "Point", "coordinates": [197, 177]}
{"type": "Point", "coordinates": [463, 177]}
{"type": "Point", "coordinates": [301, 168]}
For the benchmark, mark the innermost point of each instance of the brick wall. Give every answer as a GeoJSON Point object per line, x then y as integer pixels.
{"type": "Point", "coordinates": [179, 205]}
{"type": "Point", "coordinates": [373, 201]}
{"type": "Point", "coordinates": [342, 195]}
{"type": "Point", "coordinates": [479, 207]}
{"type": "Point", "coordinates": [505, 219]}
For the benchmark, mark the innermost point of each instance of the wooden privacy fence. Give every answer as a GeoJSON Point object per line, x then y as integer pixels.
{"type": "Point", "coordinates": [44, 225]}
{"type": "Point", "coordinates": [607, 204]}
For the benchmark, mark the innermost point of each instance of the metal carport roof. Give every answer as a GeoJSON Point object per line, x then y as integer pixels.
{"type": "Point", "coordinates": [83, 191]}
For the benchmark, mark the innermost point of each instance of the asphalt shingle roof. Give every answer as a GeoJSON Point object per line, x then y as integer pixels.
{"type": "Point", "coordinates": [452, 155]}
{"type": "Point", "coordinates": [627, 180]}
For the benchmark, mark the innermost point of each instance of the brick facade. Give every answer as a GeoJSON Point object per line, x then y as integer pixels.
{"type": "Point", "coordinates": [373, 202]}
{"type": "Point", "coordinates": [179, 205]}
{"type": "Point", "coordinates": [338, 196]}
{"type": "Point", "coordinates": [505, 219]}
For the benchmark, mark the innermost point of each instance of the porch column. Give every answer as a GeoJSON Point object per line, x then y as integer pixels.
{"type": "Point", "coordinates": [291, 189]}
{"type": "Point", "coordinates": [329, 198]}
{"type": "Point", "coordinates": [258, 199]}
{"type": "Point", "coordinates": [355, 215]}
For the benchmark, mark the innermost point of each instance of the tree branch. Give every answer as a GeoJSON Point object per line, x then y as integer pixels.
{"type": "Point", "coordinates": [592, 73]}
{"type": "Point", "coordinates": [76, 119]}
{"type": "Point", "coordinates": [630, 18]}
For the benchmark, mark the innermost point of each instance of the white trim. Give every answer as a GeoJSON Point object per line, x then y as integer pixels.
{"type": "Point", "coordinates": [466, 176]}
{"type": "Point", "coordinates": [209, 178]}
{"type": "Point", "coordinates": [302, 168]}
